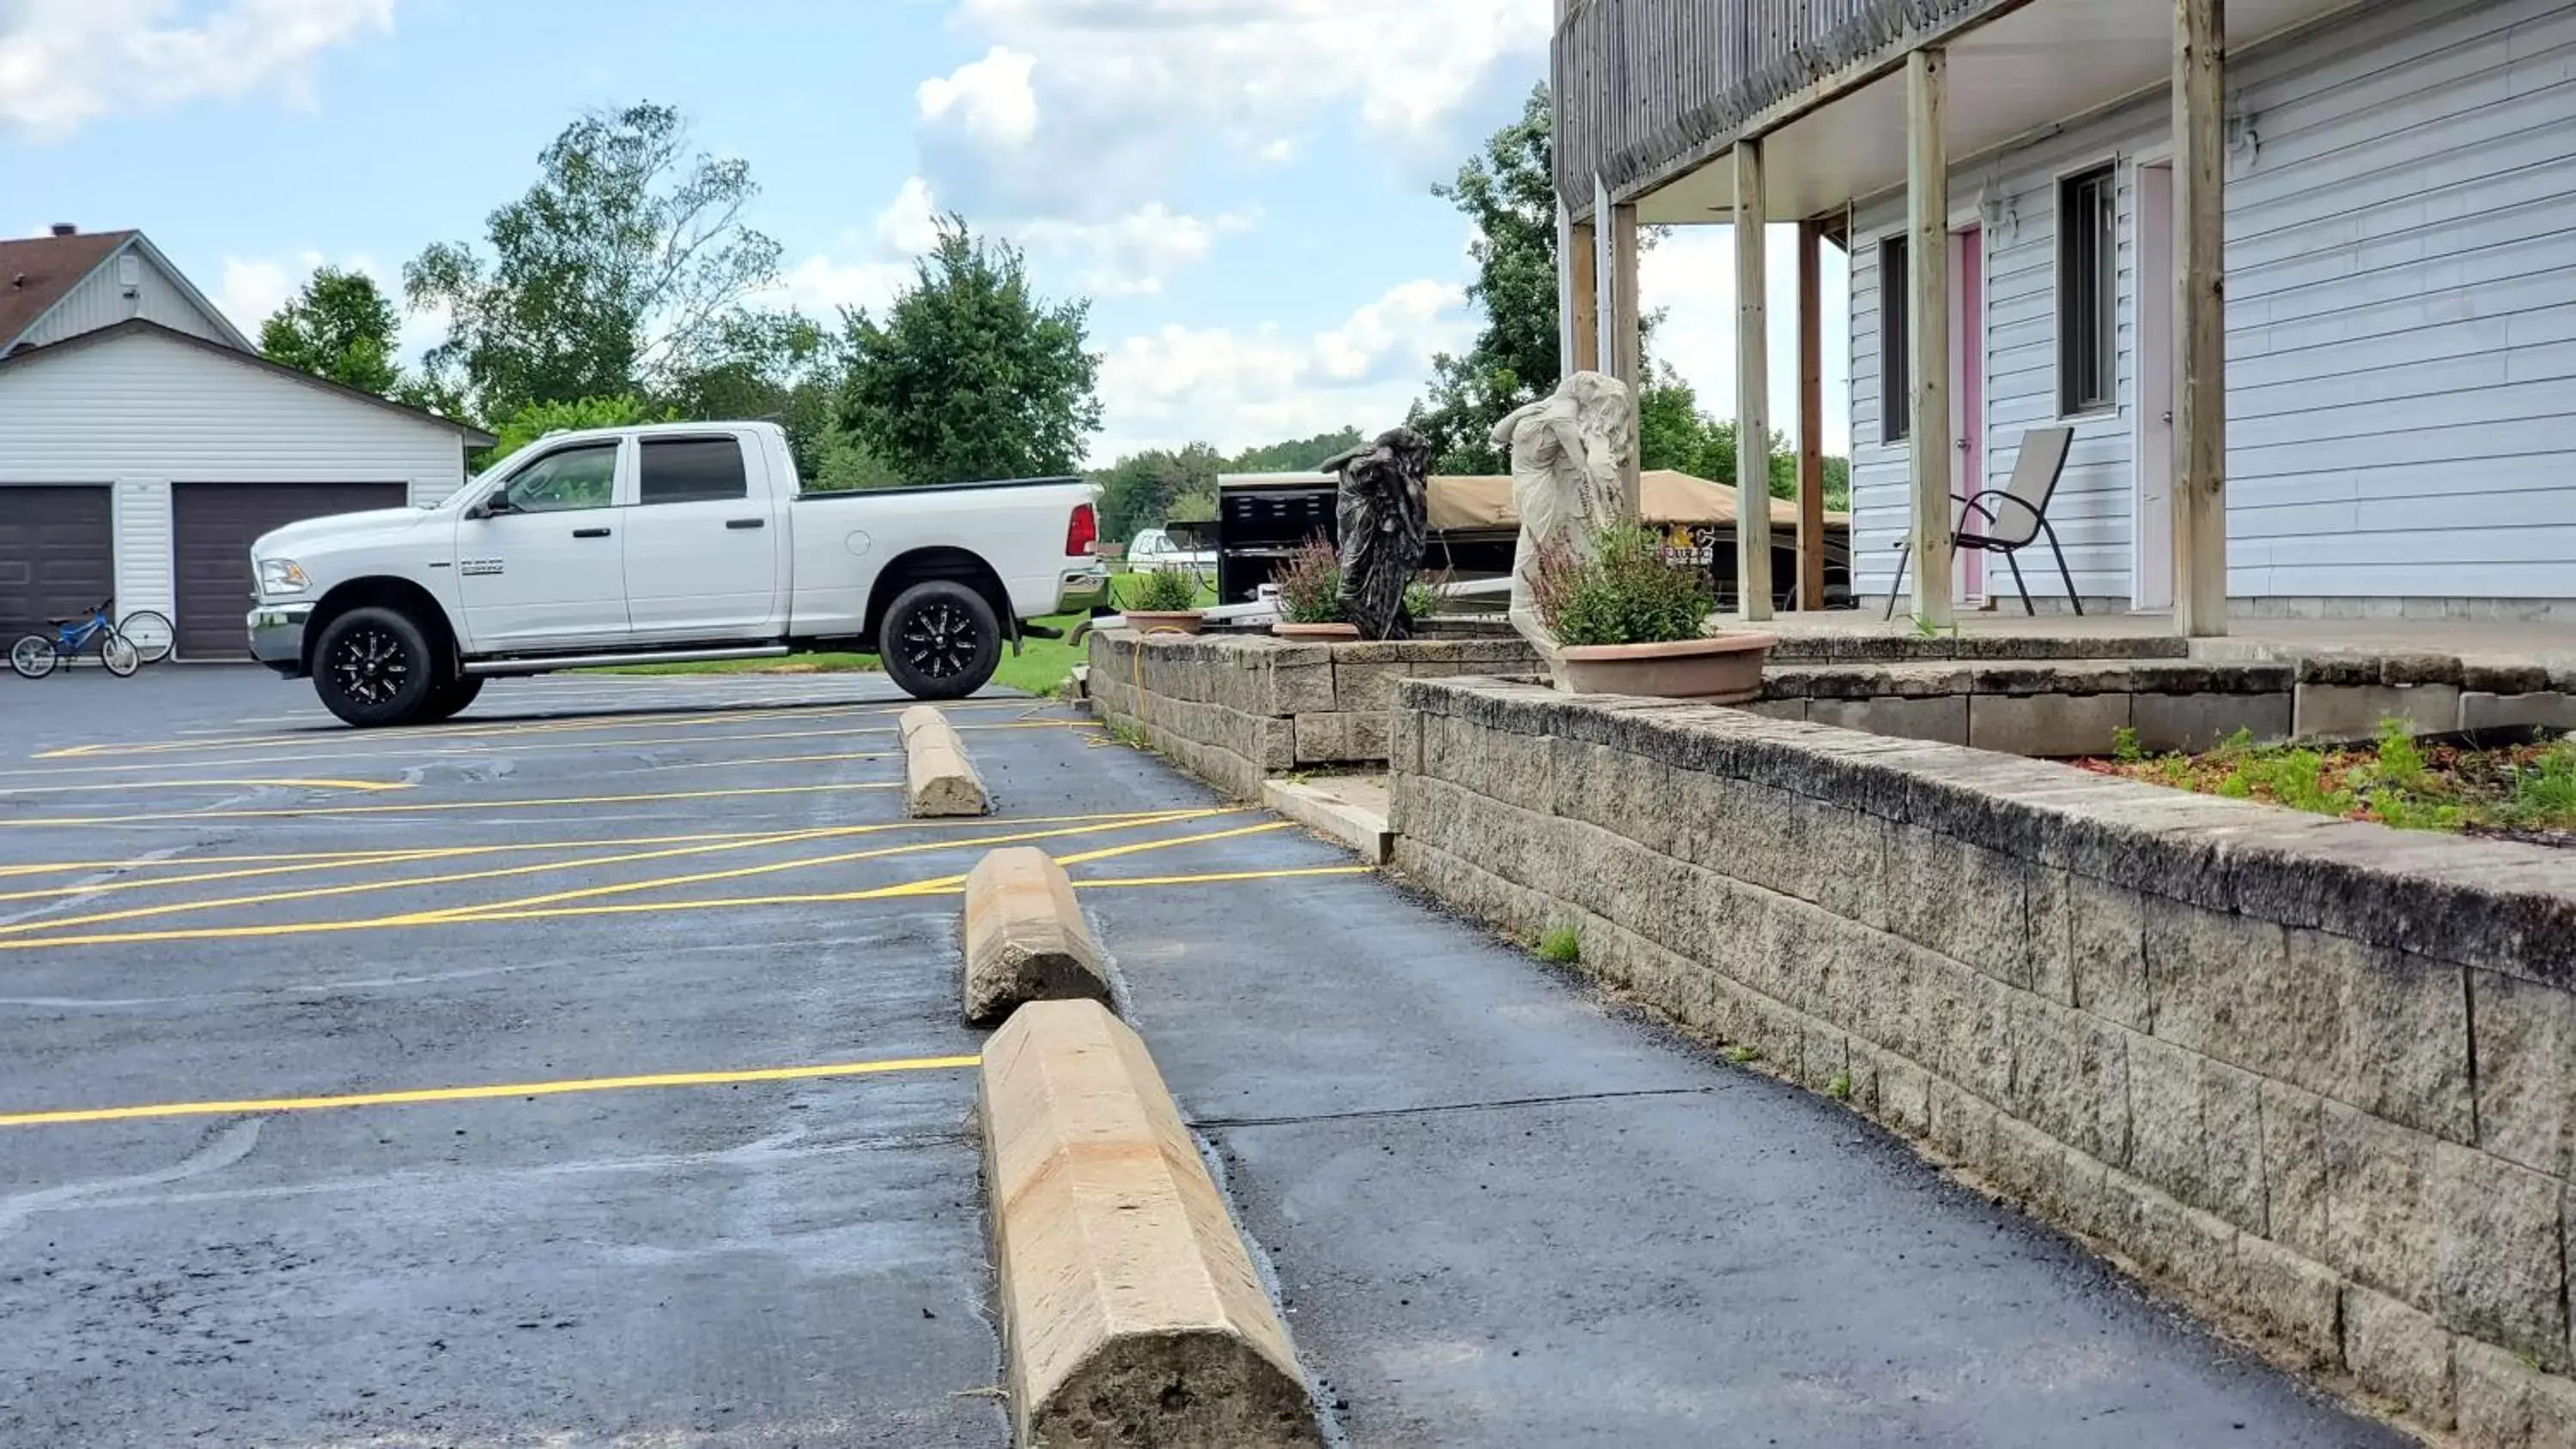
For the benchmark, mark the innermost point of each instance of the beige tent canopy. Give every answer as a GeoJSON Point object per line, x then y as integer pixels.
{"type": "Point", "coordinates": [1477, 504]}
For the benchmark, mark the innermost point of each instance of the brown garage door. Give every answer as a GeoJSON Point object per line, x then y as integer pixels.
{"type": "Point", "coordinates": [56, 555]}
{"type": "Point", "coordinates": [214, 526]}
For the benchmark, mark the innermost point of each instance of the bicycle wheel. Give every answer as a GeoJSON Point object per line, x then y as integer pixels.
{"type": "Point", "coordinates": [33, 656]}
{"type": "Point", "coordinates": [151, 634]}
{"type": "Point", "coordinates": [119, 655]}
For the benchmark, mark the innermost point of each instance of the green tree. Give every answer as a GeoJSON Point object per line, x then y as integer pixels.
{"type": "Point", "coordinates": [340, 327]}
{"type": "Point", "coordinates": [534, 420]}
{"type": "Point", "coordinates": [1142, 490]}
{"type": "Point", "coordinates": [1509, 192]}
{"type": "Point", "coordinates": [625, 269]}
{"type": "Point", "coordinates": [1297, 455]}
{"type": "Point", "coordinates": [971, 375]}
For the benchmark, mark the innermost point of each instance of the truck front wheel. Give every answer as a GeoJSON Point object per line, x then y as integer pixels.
{"type": "Point", "coordinates": [374, 667]}
{"type": "Point", "coordinates": [940, 641]}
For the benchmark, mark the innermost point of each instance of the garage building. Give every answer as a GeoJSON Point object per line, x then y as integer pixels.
{"type": "Point", "coordinates": [144, 443]}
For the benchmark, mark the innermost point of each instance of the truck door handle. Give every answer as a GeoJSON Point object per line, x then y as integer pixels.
{"type": "Point", "coordinates": [746, 523]}
{"type": "Point", "coordinates": [590, 533]}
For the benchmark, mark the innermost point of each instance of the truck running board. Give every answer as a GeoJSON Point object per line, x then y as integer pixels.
{"type": "Point", "coordinates": [551, 663]}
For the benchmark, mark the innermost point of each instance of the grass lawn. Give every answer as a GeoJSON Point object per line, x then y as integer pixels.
{"type": "Point", "coordinates": [2524, 791]}
{"type": "Point", "coordinates": [1038, 668]}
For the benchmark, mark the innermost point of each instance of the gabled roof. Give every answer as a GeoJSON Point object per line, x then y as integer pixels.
{"type": "Point", "coordinates": [37, 273]}
{"type": "Point", "coordinates": [473, 436]}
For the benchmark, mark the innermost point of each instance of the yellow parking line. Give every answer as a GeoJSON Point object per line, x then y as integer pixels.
{"type": "Point", "coordinates": [50, 925]}
{"type": "Point", "coordinates": [495, 806]}
{"type": "Point", "coordinates": [515, 911]}
{"type": "Point", "coordinates": [488, 1093]}
{"type": "Point", "coordinates": [369, 785]}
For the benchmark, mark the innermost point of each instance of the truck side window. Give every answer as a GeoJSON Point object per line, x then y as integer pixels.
{"type": "Point", "coordinates": [583, 477]}
{"type": "Point", "coordinates": [693, 470]}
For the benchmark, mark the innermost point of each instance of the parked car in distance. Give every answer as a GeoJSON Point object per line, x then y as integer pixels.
{"type": "Point", "coordinates": [1155, 551]}
{"type": "Point", "coordinates": [670, 543]}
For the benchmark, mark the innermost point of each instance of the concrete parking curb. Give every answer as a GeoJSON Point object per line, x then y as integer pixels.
{"type": "Point", "coordinates": [1026, 939]}
{"type": "Point", "coordinates": [1130, 1311]}
{"type": "Point", "coordinates": [939, 780]}
{"type": "Point", "coordinates": [1350, 811]}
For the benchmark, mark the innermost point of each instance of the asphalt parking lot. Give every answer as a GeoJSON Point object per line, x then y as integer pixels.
{"type": "Point", "coordinates": [219, 907]}
{"type": "Point", "coordinates": [587, 1071]}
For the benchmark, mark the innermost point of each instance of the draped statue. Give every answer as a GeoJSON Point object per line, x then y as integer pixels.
{"type": "Point", "coordinates": [1567, 453]}
{"type": "Point", "coordinates": [1383, 514]}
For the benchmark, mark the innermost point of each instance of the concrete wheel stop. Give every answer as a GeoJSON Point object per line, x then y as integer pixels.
{"type": "Point", "coordinates": [1131, 1313]}
{"type": "Point", "coordinates": [1026, 939]}
{"type": "Point", "coordinates": [940, 782]}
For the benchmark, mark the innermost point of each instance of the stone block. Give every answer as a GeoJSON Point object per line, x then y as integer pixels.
{"type": "Point", "coordinates": [2505, 1401]}
{"type": "Point", "coordinates": [2211, 975]}
{"type": "Point", "coordinates": [2294, 1169]}
{"type": "Point", "coordinates": [2164, 1118]}
{"type": "Point", "coordinates": [2526, 1071]}
{"type": "Point", "coordinates": [2498, 1252]}
{"type": "Point", "coordinates": [2400, 1352]}
{"type": "Point", "coordinates": [2404, 1023]}
{"type": "Point", "coordinates": [1904, 1096]}
{"type": "Point", "coordinates": [2070, 1076]}
{"type": "Point", "coordinates": [2106, 951]}
{"type": "Point", "coordinates": [1026, 939]}
{"type": "Point", "coordinates": [1962, 1125]}
{"type": "Point", "coordinates": [1783, 841]}
{"type": "Point", "coordinates": [2169, 1239]}
{"type": "Point", "coordinates": [1129, 1307]}
{"type": "Point", "coordinates": [2047, 726]}
{"type": "Point", "coordinates": [1943, 718]}
{"type": "Point", "coordinates": [1300, 688]}
{"type": "Point", "coordinates": [2231, 1134]}
{"type": "Point", "coordinates": [2195, 723]}
{"type": "Point", "coordinates": [2334, 713]}
{"type": "Point", "coordinates": [2381, 1225]}
{"type": "Point", "coordinates": [1788, 709]}
{"type": "Point", "coordinates": [1966, 902]}
{"type": "Point", "coordinates": [2299, 1300]}
{"type": "Point", "coordinates": [1365, 686]}
{"type": "Point", "coordinates": [2540, 709]}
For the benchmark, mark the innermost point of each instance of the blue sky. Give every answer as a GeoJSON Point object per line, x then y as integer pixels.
{"type": "Point", "coordinates": [1241, 185]}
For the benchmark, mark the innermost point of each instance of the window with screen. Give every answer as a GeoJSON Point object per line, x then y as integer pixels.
{"type": "Point", "coordinates": [1895, 344]}
{"type": "Point", "coordinates": [692, 470]}
{"type": "Point", "coordinates": [2088, 298]}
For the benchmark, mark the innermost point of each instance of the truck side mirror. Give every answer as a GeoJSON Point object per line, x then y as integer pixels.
{"type": "Point", "coordinates": [497, 503]}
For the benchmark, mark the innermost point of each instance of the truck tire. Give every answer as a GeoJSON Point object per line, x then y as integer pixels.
{"type": "Point", "coordinates": [451, 701]}
{"type": "Point", "coordinates": [374, 667]}
{"type": "Point", "coordinates": [940, 640]}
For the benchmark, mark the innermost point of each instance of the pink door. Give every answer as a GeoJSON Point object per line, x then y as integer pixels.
{"type": "Point", "coordinates": [1968, 395]}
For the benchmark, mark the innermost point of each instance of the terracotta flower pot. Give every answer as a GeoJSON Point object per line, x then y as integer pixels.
{"type": "Point", "coordinates": [1322, 633]}
{"type": "Point", "coordinates": [1723, 670]}
{"type": "Point", "coordinates": [1157, 621]}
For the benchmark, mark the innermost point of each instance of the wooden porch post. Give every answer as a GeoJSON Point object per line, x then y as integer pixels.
{"type": "Point", "coordinates": [1811, 415]}
{"type": "Point", "coordinates": [1927, 251]}
{"type": "Point", "coordinates": [2200, 322]}
{"type": "Point", "coordinates": [1627, 351]}
{"type": "Point", "coordinates": [1752, 388]}
{"type": "Point", "coordinates": [1583, 285]}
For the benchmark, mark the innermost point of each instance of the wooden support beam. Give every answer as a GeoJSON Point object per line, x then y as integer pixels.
{"type": "Point", "coordinates": [1582, 275]}
{"type": "Point", "coordinates": [1811, 415]}
{"type": "Point", "coordinates": [1752, 388]}
{"type": "Point", "coordinates": [1627, 349]}
{"type": "Point", "coordinates": [1927, 250]}
{"type": "Point", "coordinates": [2200, 322]}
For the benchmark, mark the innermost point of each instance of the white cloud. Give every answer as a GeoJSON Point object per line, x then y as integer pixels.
{"type": "Point", "coordinates": [1690, 277]}
{"type": "Point", "coordinates": [1129, 256]}
{"type": "Point", "coordinates": [1088, 110]}
{"type": "Point", "coordinates": [67, 62]}
{"type": "Point", "coordinates": [820, 286]}
{"type": "Point", "coordinates": [1179, 385]}
{"type": "Point", "coordinates": [253, 288]}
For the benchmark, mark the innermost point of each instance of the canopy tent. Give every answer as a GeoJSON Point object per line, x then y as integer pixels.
{"type": "Point", "coordinates": [1477, 504]}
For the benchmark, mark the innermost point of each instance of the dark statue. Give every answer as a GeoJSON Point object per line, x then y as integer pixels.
{"type": "Point", "coordinates": [1384, 515]}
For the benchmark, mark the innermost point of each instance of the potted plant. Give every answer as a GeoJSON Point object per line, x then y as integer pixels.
{"type": "Point", "coordinates": [1310, 594]}
{"type": "Point", "coordinates": [1162, 602]}
{"type": "Point", "coordinates": [1630, 621]}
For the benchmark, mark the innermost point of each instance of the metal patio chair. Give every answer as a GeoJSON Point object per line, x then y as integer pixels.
{"type": "Point", "coordinates": [2017, 517]}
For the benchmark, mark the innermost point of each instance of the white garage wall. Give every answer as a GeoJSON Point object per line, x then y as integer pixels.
{"type": "Point", "coordinates": [142, 405]}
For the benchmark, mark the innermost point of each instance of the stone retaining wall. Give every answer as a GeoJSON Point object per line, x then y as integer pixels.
{"type": "Point", "coordinates": [1235, 710]}
{"type": "Point", "coordinates": [2321, 1076]}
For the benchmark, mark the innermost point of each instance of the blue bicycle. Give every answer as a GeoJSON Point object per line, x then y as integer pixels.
{"type": "Point", "coordinates": [38, 655]}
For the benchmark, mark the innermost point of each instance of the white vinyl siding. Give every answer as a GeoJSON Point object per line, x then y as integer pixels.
{"type": "Point", "coordinates": [2401, 316]}
{"type": "Point", "coordinates": [141, 406]}
{"type": "Point", "coordinates": [145, 566]}
{"type": "Point", "coordinates": [100, 302]}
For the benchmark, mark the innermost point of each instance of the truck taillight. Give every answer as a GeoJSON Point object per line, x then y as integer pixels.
{"type": "Point", "coordinates": [1081, 532]}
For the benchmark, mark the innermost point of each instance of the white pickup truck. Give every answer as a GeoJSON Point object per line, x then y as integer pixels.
{"type": "Point", "coordinates": [663, 544]}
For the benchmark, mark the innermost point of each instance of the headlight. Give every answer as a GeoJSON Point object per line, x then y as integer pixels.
{"type": "Point", "coordinates": [281, 576]}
